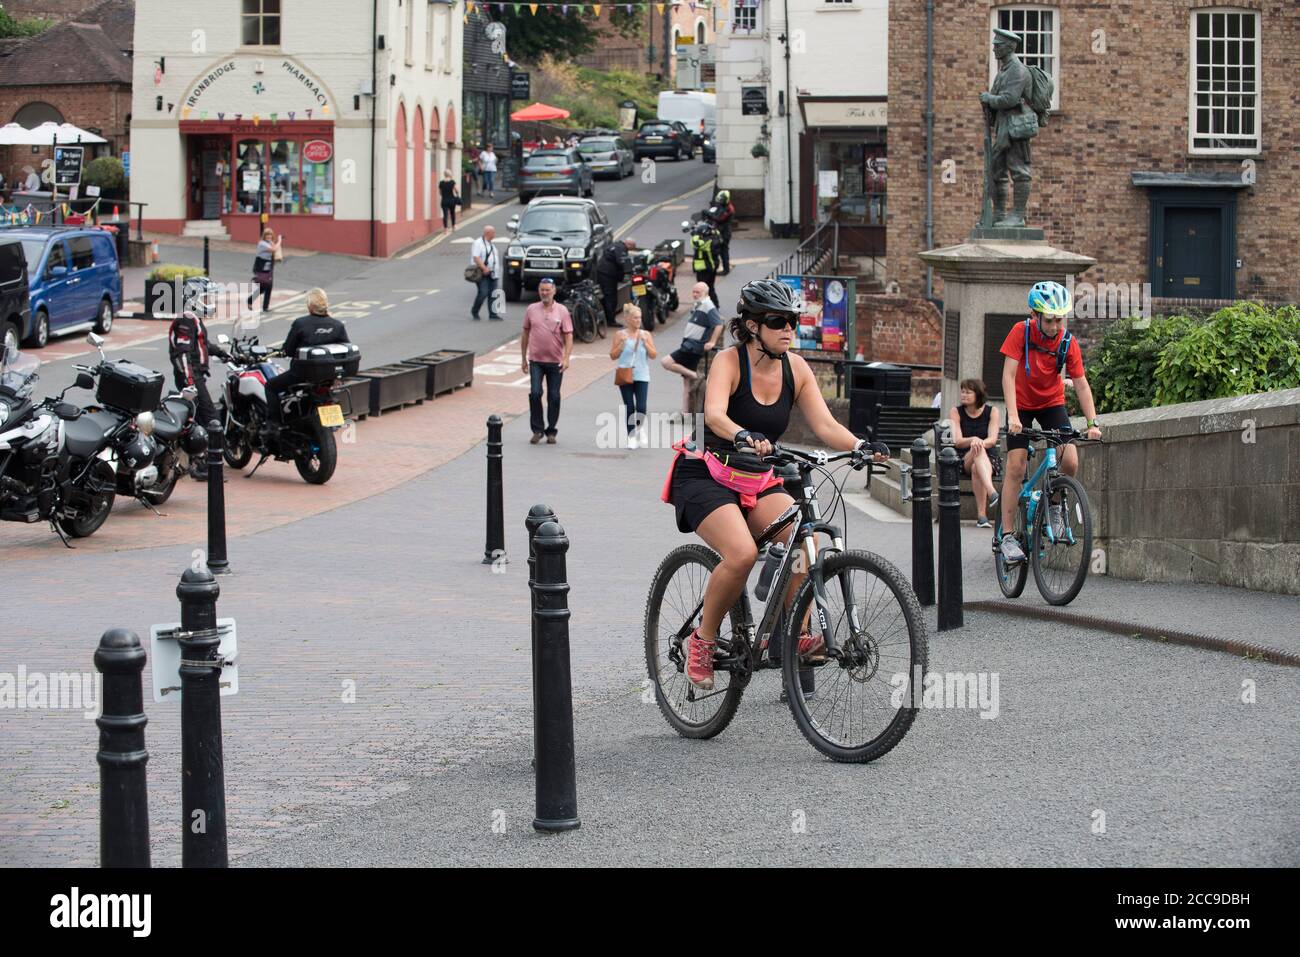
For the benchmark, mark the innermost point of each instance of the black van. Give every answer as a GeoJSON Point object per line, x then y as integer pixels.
{"type": "Point", "coordinates": [15, 305]}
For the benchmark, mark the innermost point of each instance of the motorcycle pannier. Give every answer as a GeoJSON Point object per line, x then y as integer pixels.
{"type": "Point", "coordinates": [129, 387]}
{"type": "Point", "coordinates": [326, 363]}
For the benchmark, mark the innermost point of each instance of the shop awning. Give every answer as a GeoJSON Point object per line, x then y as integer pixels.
{"type": "Point", "coordinates": [539, 112]}
{"type": "Point", "coordinates": [65, 134]}
{"type": "Point", "coordinates": [1158, 179]}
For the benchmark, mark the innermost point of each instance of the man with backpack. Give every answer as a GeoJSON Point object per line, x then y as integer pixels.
{"type": "Point", "coordinates": [1036, 351]}
{"type": "Point", "coordinates": [1014, 109]}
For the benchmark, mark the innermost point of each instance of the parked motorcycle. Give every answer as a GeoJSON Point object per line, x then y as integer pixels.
{"type": "Point", "coordinates": [644, 293]}
{"type": "Point", "coordinates": [310, 412]}
{"type": "Point", "coordinates": [158, 439]}
{"type": "Point", "coordinates": [56, 462]}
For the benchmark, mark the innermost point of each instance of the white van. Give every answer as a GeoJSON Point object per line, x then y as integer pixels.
{"type": "Point", "coordinates": [689, 106]}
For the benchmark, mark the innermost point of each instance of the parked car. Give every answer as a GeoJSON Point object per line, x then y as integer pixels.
{"type": "Point", "coordinates": [15, 310]}
{"type": "Point", "coordinates": [660, 138]}
{"type": "Point", "coordinates": [555, 171]}
{"type": "Point", "coordinates": [73, 277]}
{"type": "Point", "coordinates": [607, 156]}
{"type": "Point", "coordinates": [558, 237]}
{"type": "Point", "coordinates": [709, 147]}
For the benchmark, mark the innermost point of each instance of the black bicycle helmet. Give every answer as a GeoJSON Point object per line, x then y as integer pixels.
{"type": "Point", "coordinates": [762, 297]}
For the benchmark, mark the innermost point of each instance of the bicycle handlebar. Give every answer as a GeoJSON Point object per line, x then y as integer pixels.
{"type": "Point", "coordinates": [1055, 436]}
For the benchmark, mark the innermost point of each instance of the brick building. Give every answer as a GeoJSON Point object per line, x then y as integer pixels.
{"type": "Point", "coordinates": [618, 52]}
{"type": "Point", "coordinates": [1171, 156]}
{"type": "Point", "coordinates": [77, 71]}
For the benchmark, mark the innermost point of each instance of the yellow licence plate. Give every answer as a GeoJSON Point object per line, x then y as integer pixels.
{"type": "Point", "coordinates": [639, 289]}
{"type": "Point", "coordinates": [330, 415]}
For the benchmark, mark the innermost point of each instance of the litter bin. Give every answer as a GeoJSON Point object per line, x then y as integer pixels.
{"type": "Point", "coordinates": [872, 384]}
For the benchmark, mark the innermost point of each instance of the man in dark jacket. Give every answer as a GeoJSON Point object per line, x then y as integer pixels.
{"type": "Point", "coordinates": [726, 214]}
{"type": "Point", "coordinates": [610, 270]}
{"type": "Point", "coordinates": [317, 328]}
{"type": "Point", "coordinates": [189, 348]}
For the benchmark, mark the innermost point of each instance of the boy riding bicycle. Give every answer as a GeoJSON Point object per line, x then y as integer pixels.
{"type": "Point", "coordinates": [1036, 351]}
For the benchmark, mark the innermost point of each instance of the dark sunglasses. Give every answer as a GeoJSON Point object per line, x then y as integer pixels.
{"type": "Point", "coordinates": [777, 322]}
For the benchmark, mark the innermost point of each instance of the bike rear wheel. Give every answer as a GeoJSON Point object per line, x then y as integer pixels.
{"type": "Point", "coordinates": [1061, 566]}
{"type": "Point", "coordinates": [1011, 577]}
{"type": "Point", "coordinates": [676, 589]}
{"type": "Point", "coordinates": [859, 713]}
{"type": "Point", "coordinates": [584, 322]}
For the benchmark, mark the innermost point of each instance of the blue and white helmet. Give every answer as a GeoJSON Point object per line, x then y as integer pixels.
{"type": "Point", "coordinates": [1050, 298]}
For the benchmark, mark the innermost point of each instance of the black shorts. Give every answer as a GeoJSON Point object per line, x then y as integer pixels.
{"type": "Point", "coordinates": [696, 495]}
{"type": "Point", "coordinates": [1053, 417]}
{"type": "Point", "coordinates": [995, 459]}
{"type": "Point", "coordinates": [690, 360]}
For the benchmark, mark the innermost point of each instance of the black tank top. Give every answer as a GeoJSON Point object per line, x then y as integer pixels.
{"type": "Point", "coordinates": [975, 428]}
{"type": "Point", "coordinates": [750, 414]}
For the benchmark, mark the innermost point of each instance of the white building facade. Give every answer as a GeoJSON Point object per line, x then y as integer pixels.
{"type": "Point", "coordinates": [329, 120]}
{"type": "Point", "coordinates": [818, 120]}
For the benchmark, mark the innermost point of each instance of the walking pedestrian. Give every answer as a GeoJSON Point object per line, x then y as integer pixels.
{"type": "Point", "coordinates": [546, 345]}
{"type": "Point", "coordinates": [268, 249]}
{"type": "Point", "coordinates": [613, 265]}
{"type": "Point", "coordinates": [487, 164]}
{"type": "Point", "coordinates": [702, 334]}
{"type": "Point", "coordinates": [723, 218]}
{"type": "Point", "coordinates": [975, 433]}
{"type": "Point", "coordinates": [449, 197]}
{"type": "Point", "coordinates": [633, 348]}
{"type": "Point", "coordinates": [483, 255]}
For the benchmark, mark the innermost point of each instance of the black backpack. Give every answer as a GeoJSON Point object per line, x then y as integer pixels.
{"type": "Point", "coordinates": [1061, 350]}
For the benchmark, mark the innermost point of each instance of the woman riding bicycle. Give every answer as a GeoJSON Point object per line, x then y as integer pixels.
{"type": "Point", "coordinates": [729, 498]}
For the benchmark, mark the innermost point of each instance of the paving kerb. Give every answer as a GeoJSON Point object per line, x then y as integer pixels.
{"type": "Point", "coordinates": [298, 759]}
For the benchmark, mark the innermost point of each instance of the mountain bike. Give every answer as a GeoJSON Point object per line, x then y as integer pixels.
{"type": "Point", "coordinates": [1060, 562]}
{"type": "Point", "coordinates": [583, 299]}
{"type": "Point", "coordinates": [865, 611]}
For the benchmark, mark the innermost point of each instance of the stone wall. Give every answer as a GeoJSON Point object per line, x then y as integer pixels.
{"type": "Point", "coordinates": [1201, 492]}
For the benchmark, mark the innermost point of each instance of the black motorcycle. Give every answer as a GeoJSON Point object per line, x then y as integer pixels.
{"type": "Point", "coordinates": [645, 293]}
{"type": "Point", "coordinates": [310, 410]}
{"type": "Point", "coordinates": [56, 462]}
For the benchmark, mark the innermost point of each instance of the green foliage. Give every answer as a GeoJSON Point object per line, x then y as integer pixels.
{"type": "Point", "coordinates": [528, 37]}
{"type": "Point", "coordinates": [1241, 349]}
{"type": "Point", "coordinates": [170, 272]}
{"type": "Point", "coordinates": [28, 27]}
{"type": "Point", "coordinates": [106, 172]}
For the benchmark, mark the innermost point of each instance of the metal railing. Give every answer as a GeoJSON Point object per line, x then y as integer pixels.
{"type": "Point", "coordinates": [811, 256]}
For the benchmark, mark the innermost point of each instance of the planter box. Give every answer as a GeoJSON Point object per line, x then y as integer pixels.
{"type": "Point", "coordinates": [448, 370]}
{"type": "Point", "coordinates": [396, 385]}
{"type": "Point", "coordinates": [162, 299]}
{"type": "Point", "coordinates": [357, 404]}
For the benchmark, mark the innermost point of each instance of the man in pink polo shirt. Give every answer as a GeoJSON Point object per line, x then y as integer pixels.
{"type": "Point", "coordinates": [546, 345]}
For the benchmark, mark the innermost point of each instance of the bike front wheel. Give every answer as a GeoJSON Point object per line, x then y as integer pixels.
{"type": "Point", "coordinates": [584, 322]}
{"type": "Point", "coordinates": [1011, 576]}
{"type": "Point", "coordinates": [1061, 560]}
{"type": "Point", "coordinates": [862, 706]}
{"type": "Point", "coordinates": [676, 590]}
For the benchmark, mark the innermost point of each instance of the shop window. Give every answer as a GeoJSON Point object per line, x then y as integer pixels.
{"type": "Point", "coordinates": [410, 31]}
{"type": "Point", "coordinates": [1039, 32]}
{"type": "Point", "coordinates": [850, 183]}
{"type": "Point", "coordinates": [318, 187]}
{"type": "Point", "coordinates": [745, 17]}
{"type": "Point", "coordinates": [1225, 85]}
{"type": "Point", "coordinates": [429, 21]}
{"type": "Point", "coordinates": [248, 176]}
{"type": "Point", "coordinates": [261, 22]}
{"type": "Point", "coordinates": [447, 58]}
{"type": "Point", "coordinates": [699, 32]}
{"type": "Point", "coordinates": [286, 183]}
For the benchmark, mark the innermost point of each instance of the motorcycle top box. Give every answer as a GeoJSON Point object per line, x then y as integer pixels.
{"type": "Point", "coordinates": [326, 363]}
{"type": "Point", "coordinates": [129, 387]}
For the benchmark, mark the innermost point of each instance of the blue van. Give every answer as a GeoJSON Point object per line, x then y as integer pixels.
{"type": "Point", "coordinates": [73, 279]}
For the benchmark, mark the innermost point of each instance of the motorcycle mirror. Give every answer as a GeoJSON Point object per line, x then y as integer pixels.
{"type": "Point", "coordinates": [94, 340]}
{"type": "Point", "coordinates": [67, 411]}
{"type": "Point", "coordinates": [85, 380]}
{"type": "Point", "coordinates": [223, 339]}
{"type": "Point", "coordinates": [686, 225]}
{"type": "Point", "coordinates": [190, 392]}
{"type": "Point", "coordinates": [513, 223]}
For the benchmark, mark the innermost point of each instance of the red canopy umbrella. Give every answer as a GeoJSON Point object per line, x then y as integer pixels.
{"type": "Point", "coordinates": [539, 112]}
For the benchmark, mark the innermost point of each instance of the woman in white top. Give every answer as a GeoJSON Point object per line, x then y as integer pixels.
{"type": "Point", "coordinates": [487, 164]}
{"type": "Point", "coordinates": [633, 348]}
{"type": "Point", "coordinates": [268, 250]}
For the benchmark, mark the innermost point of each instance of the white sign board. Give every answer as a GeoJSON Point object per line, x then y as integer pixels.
{"type": "Point", "coordinates": [165, 658]}
{"type": "Point", "coordinates": [828, 183]}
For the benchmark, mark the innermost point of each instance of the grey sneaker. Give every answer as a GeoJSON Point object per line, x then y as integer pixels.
{"type": "Point", "coordinates": [1011, 550]}
{"type": "Point", "coordinates": [983, 522]}
{"type": "Point", "coordinates": [1056, 518]}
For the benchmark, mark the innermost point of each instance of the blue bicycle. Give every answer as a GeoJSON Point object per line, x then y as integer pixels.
{"type": "Point", "coordinates": [1053, 527]}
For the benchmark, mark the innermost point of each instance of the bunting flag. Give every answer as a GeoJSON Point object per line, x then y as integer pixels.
{"type": "Point", "coordinates": [517, 6]}
{"type": "Point", "coordinates": [660, 7]}
{"type": "Point", "coordinates": [257, 119]}
{"type": "Point", "coordinates": [275, 117]}
{"type": "Point", "coordinates": [469, 7]}
{"type": "Point", "coordinates": [292, 114]}
{"type": "Point", "coordinates": [564, 9]}
{"type": "Point", "coordinates": [203, 114]}
{"type": "Point", "coordinates": [596, 7]}
{"type": "Point", "coordinates": [532, 7]}
{"type": "Point", "coordinates": [325, 110]}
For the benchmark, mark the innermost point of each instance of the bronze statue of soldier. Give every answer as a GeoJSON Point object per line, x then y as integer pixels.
{"type": "Point", "coordinates": [1010, 123]}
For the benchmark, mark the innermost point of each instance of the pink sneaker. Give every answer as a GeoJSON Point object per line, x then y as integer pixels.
{"type": "Point", "coordinates": [812, 647]}
{"type": "Point", "coordinates": [699, 661]}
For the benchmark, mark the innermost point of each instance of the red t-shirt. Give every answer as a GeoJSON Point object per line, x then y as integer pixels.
{"type": "Point", "coordinates": [1042, 388]}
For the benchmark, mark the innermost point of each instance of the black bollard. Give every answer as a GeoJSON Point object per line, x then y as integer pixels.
{"type": "Point", "coordinates": [496, 520]}
{"type": "Point", "coordinates": [922, 525]}
{"type": "Point", "coordinates": [203, 784]}
{"type": "Point", "coordinates": [538, 516]}
{"type": "Point", "coordinates": [217, 562]}
{"type": "Point", "coordinates": [950, 614]}
{"type": "Point", "coordinates": [557, 786]}
{"type": "Point", "coordinates": [123, 785]}
{"type": "Point", "coordinates": [207, 271]}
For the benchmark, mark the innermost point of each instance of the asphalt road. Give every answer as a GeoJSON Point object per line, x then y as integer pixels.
{"type": "Point", "coordinates": [415, 302]}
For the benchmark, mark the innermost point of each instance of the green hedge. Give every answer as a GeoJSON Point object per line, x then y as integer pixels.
{"type": "Point", "coordinates": [169, 272]}
{"type": "Point", "coordinates": [1239, 350]}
